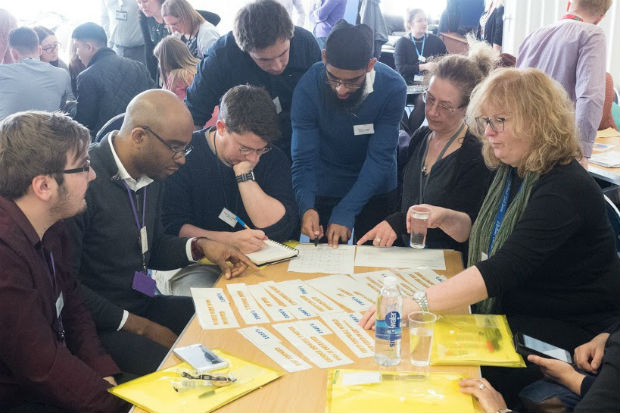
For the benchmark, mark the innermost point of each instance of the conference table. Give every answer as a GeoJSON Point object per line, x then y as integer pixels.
{"type": "Point", "coordinates": [303, 391]}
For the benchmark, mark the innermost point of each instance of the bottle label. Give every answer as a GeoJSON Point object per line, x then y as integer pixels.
{"type": "Point", "coordinates": [389, 328]}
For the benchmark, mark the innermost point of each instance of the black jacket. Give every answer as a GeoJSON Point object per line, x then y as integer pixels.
{"type": "Point", "coordinates": [106, 86]}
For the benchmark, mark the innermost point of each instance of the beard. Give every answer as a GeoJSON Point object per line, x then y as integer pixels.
{"type": "Point", "coordinates": [344, 105]}
{"type": "Point", "coordinates": [65, 206]}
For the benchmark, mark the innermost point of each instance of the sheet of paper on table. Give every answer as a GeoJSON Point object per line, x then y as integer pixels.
{"type": "Point", "coordinates": [246, 304]}
{"type": "Point", "coordinates": [399, 257]}
{"type": "Point", "coordinates": [213, 309]}
{"type": "Point", "coordinates": [609, 159]}
{"type": "Point", "coordinates": [351, 333]}
{"type": "Point", "coordinates": [323, 259]}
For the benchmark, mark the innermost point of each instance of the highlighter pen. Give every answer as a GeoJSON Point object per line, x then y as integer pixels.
{"type": "Point", "coordinates": [240, 221]}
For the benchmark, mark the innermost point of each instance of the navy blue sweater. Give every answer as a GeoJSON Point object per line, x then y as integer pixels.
{"type": "Point", "coordinates": [199, 190]}
{"type": "Point", "coordinates": [329, 159]}
{"type": "Point", "coordinates": [226, 66]}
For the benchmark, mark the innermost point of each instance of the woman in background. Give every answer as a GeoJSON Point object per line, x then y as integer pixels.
{"type": "Point", "coordinates": [7, 23]}
{"type": "Point", "coordinates": [491, 28]}
{"type": "Point", "coordinates": [153, 30]}
{"type": "Point", "coordinates": [49, 47]}
{"type": "Point", "coordinates": [177, 67]}
{"type": "Point", "coordinates": [182, 19]}
{"type": "Point", "coordinates": [412, 54]}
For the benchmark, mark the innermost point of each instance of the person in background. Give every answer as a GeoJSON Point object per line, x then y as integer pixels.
{"type": "Point", "coordinates": [109, 81]}
{"type": "Point", "coordinates": [235, 166]}
{"type": "Point", "coordinates": [7, 23]}
{"type": "Point", "coordinates": [30, 84]}
{"type": "Point", "coordinates": [50, 355]}
{"type": "Point", "coordinates": [49, 47]}
{"type": "Point", "coordinates": [119, 19]}
{"type": "Point", "coordinates": [591, 386]}
{"type": "Point", "coordinates": [263, 49]}
{"type": "Point", "coordinates": [345, 115]}
{"type": "Point", "coordinates": [123, 219]}
{"type": "Point", "coordinates": [177, 66]}
{"type": "Point", "coordinates": [572, 51]}
{"type": "Point", "coordinates": [298, 6]}
{"type": "Point", "coordinates": [75, 68]}
{"type": "Point", "coordinates": [153, 30]}
{"type": "Point", "coordinates": [183, 20]}
{"type": "Point", "coordinates": [445, 165]}
{"type": "Point", "coordinates": [491, 27]}
{"type": "Point", "coordinates": [542, 249]}
{"type": "Point", "coordinates": [412, 55]}
{"type": "Point", "coordinates": [323, 16]}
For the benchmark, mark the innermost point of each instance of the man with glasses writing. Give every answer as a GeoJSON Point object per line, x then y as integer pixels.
{"type": "Point", "coordinates": [120, 235]}
{"type": "Point", "coordinates": [345, 116]}
{"type": "Point", "coordinates": [235, 172]}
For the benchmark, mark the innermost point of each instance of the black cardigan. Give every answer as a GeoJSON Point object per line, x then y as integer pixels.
{"type": "Point", "coordinates": [406, 57]}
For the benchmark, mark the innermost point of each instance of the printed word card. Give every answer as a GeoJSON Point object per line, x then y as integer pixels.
{"type": "Point", "coordinates": [346, 291]}
{"type": "Point", "coordinates": [274, 348]}
{"type": "Point", "coordinates": [351, 333]}
{"type": "Point", "coordinates": [246, 305]}
{"type": "Point", "coordinates": [213, 309]}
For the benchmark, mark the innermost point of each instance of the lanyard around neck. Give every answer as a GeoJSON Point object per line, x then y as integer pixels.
{"type": "Point", "coordinates": [571, 16]}
{"type": "Point", "coordinates": [419, 53]}
{"type": "Point", "coordinates": [141, 232]}
{"type": "Point", "coordinates": [423, 179]}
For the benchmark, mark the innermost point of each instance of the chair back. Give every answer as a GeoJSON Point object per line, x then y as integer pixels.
{"type": "Point", "coordinates": [614, 218]}
{"type": "Point", "coordinates": [114, 123]}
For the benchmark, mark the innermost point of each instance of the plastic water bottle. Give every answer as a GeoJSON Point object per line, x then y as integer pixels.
{"type": "Point", "coordinates": [388, 332]}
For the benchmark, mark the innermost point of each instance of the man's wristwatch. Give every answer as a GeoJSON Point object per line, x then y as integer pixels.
{"type": "Point", "coordinates": [421, 299]}
{"type": "Point", "coordinates": [246, 177]}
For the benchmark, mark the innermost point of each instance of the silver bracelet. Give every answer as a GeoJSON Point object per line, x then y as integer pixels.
{"type": "Point", "coordinates": [421, 299]}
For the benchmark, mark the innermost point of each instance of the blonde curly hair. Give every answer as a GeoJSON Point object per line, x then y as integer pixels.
{"type": "Point", "coordinates": [540, 110]}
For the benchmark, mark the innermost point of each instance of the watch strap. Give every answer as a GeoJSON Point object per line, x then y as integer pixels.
{"type": "Point", "coordinates": [246, 177]}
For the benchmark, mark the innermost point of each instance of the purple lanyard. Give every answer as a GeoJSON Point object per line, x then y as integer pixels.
{"type": "Point", "coordinates": [58, 327]}
{"type": "Point", "coordinates": [135, 217]}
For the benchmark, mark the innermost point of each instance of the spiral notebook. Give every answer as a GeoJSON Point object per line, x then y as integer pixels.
{"type": "Point", "coordinates": [272, 253]}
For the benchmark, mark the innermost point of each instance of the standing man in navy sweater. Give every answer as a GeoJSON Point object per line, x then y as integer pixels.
{"type": "Point", "coordinates": [263, 49]}
{"type": "Point", "coordinates": [345, 116]}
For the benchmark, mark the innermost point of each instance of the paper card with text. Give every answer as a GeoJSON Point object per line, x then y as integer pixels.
{"type": "Point", "coordinates": [273, 347]}
{"type": "Point", "coordinates": [346, 291]}
{"type": "Point", "coordinates": [275, 307]}
{"type": "Point", "coordinates": [307, 337]}
{"type": "Point", "coordinates": [247, 306]}
{"type": "Point", "coordinates": [213, 309]}
{"type": "Point", "coordinates": [307, 298]}
{"type": "Point", "coordinates": [351, 333]}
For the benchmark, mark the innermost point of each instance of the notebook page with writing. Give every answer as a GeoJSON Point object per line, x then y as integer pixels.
{"type": "Point", "coordinates": [272, 252]}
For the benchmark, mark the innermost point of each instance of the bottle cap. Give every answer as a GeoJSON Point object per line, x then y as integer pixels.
{"type": "Point", "coordinates": [390, 281]}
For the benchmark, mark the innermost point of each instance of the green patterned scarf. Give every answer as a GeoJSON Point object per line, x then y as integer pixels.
{"type": "Point", "coordinates": [482, 229]}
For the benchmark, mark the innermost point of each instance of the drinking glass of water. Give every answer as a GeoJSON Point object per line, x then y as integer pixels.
{"type": "Point", "coordinates": [419, 223]}
{"type": "Point", "coordinates": [421, 326]}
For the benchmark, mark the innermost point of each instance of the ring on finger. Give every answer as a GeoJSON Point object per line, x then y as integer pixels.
{"type": "Point", "coordinates": [378, 239]}
{"type": "Point", "coordinates": [482, 386]}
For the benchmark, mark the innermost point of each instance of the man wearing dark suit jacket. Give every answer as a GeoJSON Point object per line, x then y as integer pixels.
{"type": "Point", "coordinates": [50, 357]}
{"type": "Point", "coordinates": [120, 235]}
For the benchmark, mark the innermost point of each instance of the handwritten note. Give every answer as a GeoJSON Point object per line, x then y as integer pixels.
{"type": "Point", "coordinates": [323, 259]}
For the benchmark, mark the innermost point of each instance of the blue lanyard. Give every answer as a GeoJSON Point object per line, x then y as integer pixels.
{"type": "Point", "coordinates": [503, 206]}
{"type": "Point", "coordinates": [420, 53]}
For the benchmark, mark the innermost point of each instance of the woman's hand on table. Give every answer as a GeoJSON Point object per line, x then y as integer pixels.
{"type": "Point", "coordinates": [490, 399]}
{"type": "Point", "coordinates": [382, 235]}
{"type": "Point", "coordinates": [369, 317]}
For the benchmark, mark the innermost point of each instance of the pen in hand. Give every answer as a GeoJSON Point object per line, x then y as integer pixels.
{"type": "Point", "coordinates": [243, 224]}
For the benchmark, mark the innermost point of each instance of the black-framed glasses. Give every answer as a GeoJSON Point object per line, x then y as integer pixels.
{"type": "Point", "coordinates": [351, 84]}
{"type": "Point", "coordinates": [51, 47]}
{"type": "Point", "coordinates": [496, 123]}
{"type": "Point", "coordinates": [430, 100]}
{"type": "Point", "coordinates": [244, 150]}
{"type": "Point", "coordinates": [176, 153]}
{"type": "Point", "coordinates": [84, 168]}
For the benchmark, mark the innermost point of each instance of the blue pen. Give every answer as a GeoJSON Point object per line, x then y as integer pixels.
{"type": "Point", "coordinates": [240, 221]}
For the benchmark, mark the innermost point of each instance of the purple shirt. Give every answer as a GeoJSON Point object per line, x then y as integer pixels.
{"type": "Point", "coordinates": [573, 53]}
{"type": "Point", "coordinates": [324, 15]}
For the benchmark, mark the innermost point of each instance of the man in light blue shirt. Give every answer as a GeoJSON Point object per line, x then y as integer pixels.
{"type": "Point", "coordinates": [30, 84]}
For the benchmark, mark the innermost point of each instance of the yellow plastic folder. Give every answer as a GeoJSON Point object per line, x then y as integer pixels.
{"type": "Point", "coordinates": [475, 340]}
{"type": "Point", "coordinates": [155, 393]}
{"type": "Point", "coordinates": [360, 391]}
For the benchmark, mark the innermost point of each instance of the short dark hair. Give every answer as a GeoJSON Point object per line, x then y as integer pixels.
{"type": "Point", "coordinates": [36, 143]}
{"type": "Point", "coordinates": [260, 24]}
{"type": "Point", "coordinates": [90, 32]}
{"type": "Point", "coordinates": [246, 108]}
{"type": "Point", "coordinates": [24, 40]}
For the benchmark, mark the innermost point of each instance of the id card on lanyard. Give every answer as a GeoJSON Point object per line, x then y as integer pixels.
{"type": "Point", "coordinates": [142, 282]}
{"type": "Point", "coordinates": [60, 302]}
{"type": "Point", "coordinates": [420, 53]}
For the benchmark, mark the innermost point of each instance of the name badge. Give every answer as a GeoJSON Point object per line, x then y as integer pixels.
{"type": "Point", "coordinates": [121, 15]}
{"type": "Point", "coordinates": [144, 284]}
{"type": "Point", "coordinates": [366, 129]}
{"type": "Point", "coordinates": [60, 303]}
{"type": "Point", "coordinates": [421, 59]}
{"type": "Point", "coordinates": [144, 241]}
{"type": "Point", "coordinates": [228, 217]}
{"type": "Point", "coordinates": [418, 78]}
{"type": "Point", "coordinates": [484, 256]}
{"type": "Point", "coordinates": [276, 101]}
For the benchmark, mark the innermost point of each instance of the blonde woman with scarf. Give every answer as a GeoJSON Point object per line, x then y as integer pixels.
{"type": "Point", "coordinates": [541, 250]}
